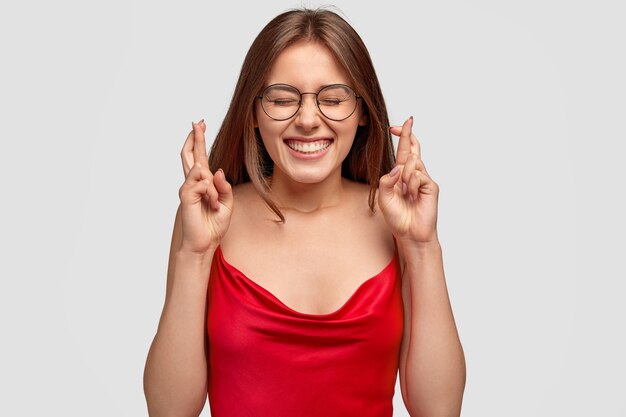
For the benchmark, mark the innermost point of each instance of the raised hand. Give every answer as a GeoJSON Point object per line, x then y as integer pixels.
{"type": "Point", "coordinates": [407, 196]}
{"type": "Point", "coordinates": [206, 198]}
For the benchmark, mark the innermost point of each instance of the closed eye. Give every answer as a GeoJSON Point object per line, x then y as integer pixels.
{"type": "Point", "coordinates": [283, 102]}
{"type": "Point", "coordinates": [331, 102]}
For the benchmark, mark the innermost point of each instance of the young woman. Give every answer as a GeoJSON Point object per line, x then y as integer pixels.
{"type": "Point", "coordinates": [305, 268]}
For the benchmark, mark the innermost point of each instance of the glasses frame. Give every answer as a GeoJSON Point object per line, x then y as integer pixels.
{"type": "Point", "coordinates": [317, 102]}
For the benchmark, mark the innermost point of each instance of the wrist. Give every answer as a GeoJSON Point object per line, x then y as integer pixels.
{"type": "Point", "coordinates": [194, 257]}
{"type": "Point", "coordinates": [432, 240]}
{"type": "Point", "coordinates": [419, 247]}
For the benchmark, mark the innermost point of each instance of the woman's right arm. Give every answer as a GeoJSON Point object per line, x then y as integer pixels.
{"type": "Point", "coordinates": [175, 375]}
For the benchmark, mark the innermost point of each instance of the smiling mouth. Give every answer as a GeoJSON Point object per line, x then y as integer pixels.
{"type": "Point", "coordinates": [308, 147]}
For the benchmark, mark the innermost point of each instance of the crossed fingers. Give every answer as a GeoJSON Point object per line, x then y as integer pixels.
{"type": "Point", "coordinates": [408, 153]}
{"type": "Point", "coordinates": [194, 149]}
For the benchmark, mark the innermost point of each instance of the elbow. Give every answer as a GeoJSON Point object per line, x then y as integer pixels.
{"type": "Point", "coordinates": [446, 404]}
{"type": "Point", "coordinates": [165, 401]}
{"type": "Point", "coordinates": [436, 413]}
{"type": "Point", "coordinates": [157, 408]}
{"type": "Point", "coordinates": [447, 409]}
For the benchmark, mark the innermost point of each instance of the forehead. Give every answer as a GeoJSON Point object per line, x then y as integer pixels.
{"type": "Point", "coordinates": [307, 66]}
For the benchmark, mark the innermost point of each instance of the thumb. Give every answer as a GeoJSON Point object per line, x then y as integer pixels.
{"type": "Point", "coordinates": [224, 189]}
{"type": "Point", "coordinates": [387, 183]}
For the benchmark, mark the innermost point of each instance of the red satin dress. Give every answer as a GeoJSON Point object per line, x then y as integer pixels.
{"type": "Point", "coordinates": [266, 359]}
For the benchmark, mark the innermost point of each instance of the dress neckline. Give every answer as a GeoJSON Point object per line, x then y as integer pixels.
{"type": "Point", "coordinates": [280, 303]}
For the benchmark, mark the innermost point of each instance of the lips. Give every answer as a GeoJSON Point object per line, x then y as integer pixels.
{"type": "Point", "coordinates": [308, 146]}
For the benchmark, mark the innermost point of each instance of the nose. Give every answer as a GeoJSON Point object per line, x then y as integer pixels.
{"type": "Point", "coordinates": [308, 116]}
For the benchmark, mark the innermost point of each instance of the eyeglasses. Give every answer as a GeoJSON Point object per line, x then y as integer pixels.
{"type": "Point", "coordinates": [282, 101]}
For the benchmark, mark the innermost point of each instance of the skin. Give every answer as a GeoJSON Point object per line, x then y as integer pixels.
{"type": "Point", "coordinates": [293, 179]}
{"type": "Point", "coordinates": [327, 218]}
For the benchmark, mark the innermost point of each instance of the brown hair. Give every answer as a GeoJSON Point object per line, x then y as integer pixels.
{"type": "Point", "coordinates": [238, 148]}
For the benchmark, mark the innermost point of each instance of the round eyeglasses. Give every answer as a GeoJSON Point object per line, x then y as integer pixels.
{"type": "Point", "coordinates": [282, 101]}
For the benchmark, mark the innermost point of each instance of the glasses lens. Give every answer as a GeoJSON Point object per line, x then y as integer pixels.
{"type": "Point", "coordinates": [281, 101]}
{"type": "Point", "coordinates": [337, 102]}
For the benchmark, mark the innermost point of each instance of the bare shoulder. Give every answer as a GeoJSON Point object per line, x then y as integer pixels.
{"type": "Point", "coordinates": [245, 201]}
{"type": "Point", "coordinates": [359, 197]}
{"type": "Point", "coordinates": [370, 220]}
{"type": "Point", "coordinates": [244, 191]}
{"type": "Point", "coordinates": [247, 207]}
{"type": "Point", "coordinates": [378, 220]}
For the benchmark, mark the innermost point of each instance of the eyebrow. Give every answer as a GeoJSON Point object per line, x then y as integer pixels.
{"type": "Point", "coordinates": [318, 89]}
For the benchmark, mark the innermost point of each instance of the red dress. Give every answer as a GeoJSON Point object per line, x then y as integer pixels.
{"type": "Point", "coordinates": [266, 359]}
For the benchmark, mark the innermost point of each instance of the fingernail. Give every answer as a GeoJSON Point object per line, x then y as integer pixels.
{"type": "Point", "coordinates": [394, 171]}
{"type": "Point", "coordinates": [404, 188]}
{"type": "Point", "coordinates": [193, 124]}
{"type": "Point", "coordinates": [222, 171]}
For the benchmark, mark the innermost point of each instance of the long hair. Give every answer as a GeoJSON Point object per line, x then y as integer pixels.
{"type": "Point", "coordinates": [238, 148]}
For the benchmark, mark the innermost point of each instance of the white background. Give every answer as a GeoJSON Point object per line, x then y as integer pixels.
{"type": "Point", "coordinates": [520, 110]}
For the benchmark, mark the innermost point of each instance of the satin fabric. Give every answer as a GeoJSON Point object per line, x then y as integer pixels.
{"type": "Point", "coordinates": [266, 359]}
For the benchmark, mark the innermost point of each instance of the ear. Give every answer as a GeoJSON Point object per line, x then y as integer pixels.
{"type": "Point", "coordinates": [363, 118]}
{"type": "Point", "coordinates": [254, 118]}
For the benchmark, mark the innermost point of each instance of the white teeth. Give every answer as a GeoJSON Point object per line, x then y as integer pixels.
{"type": "Point", "coordinates": [310, 147]}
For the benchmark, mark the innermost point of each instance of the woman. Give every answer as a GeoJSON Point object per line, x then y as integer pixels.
{"type": "Point", "coordinates": [303, 288]}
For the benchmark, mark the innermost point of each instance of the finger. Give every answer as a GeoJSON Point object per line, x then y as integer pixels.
{"type": "Point", "coordinates": [422, 168]}
{"type": "Point", "coordinates": [199, 144]}
{"type": "Point", "coordinates": [386, 186]}
{"type": "Point", "coordinates": [186, 154]}
{"type": "Point", "coordinates": [200, 183]}
{"type": "Point", "coordinates": [415, 145]}
{"type": "Point", "coordinates": [409, 168]}
{"type": "Point", "coordinates": [197, 173]}
{"type": "Point", "coordinates": [419, 165]}
{"type": "Point", "coordinates": [212, 193]}
{"type": "Point", "coordinates": [192, 194]}
{"type": "Point", "coordinates": [404, 144]}
{"type": "Point", "coordinates": [415, 150]}
{"type": "Point", "coordinates": [224, 189]}
{"type": "Point", "coordinates": [416, 179]}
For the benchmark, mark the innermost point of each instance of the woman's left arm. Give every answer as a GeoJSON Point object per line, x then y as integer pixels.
{"type": "Point", "coordinates": [432, 366]}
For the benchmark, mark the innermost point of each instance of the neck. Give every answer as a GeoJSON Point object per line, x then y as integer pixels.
{"type": "Point", "coordinates": [306, 198]}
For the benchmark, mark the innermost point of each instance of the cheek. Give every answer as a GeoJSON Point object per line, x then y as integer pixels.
{"type": "Point", "coordinates": [348, 131]}
{"type": "Point", "coordinates": [270, 135]}
{"type": "Point", "coordinates": [267, 130]}
{"type": "Point", "coordinates": [261, 123]}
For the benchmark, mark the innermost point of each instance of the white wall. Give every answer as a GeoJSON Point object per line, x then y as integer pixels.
{"type": "Point", "coordinates": [519, 107]}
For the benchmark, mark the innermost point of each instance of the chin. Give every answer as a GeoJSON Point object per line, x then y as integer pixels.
{"type": "Point", "coordinates": [314, 174]}
{"type": "Point", "coordinates": [308, 178]}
